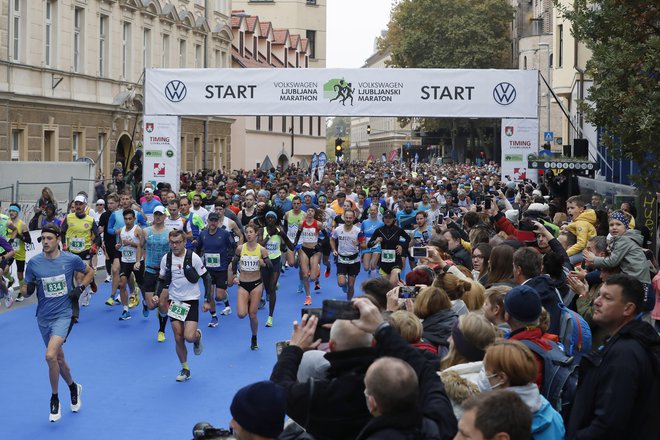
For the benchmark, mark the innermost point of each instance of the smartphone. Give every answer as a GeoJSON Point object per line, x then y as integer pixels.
{"type": "Point", "coordinates": [336, 309]}
{"type": "Point", "coordinates": [321, 332]}
{"type": "Point", "coordinates": [420, 252]}
{"type": "Point", "coordinates": [488, 203]}
{"type": "Point", "coordinates": [409, 292]}
{"type": "Point", "coordinates": [280, 346]}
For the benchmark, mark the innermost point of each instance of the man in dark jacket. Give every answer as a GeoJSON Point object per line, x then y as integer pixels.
{"type": "Point", "coordinates": [618, 394]}
{"type": "Point", "coordinates": [332, 408]}
{"type": "Point", "coordinates": [459, 254]}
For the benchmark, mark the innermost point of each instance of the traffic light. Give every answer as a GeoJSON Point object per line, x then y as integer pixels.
{"type": "Point", "coordinates": [339, 150]}
{"type": "Point", "coordinates": [368, 129]}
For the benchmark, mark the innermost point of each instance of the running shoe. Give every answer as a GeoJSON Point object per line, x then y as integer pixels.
{"type": "Point", "coordinates": [125, 315]}
{"type": "Point", "coordinates": [94, 286]}
{"type": "Point", "coordinates": [84, 299]}
{"type": "Point", "coordinates": [108, 279]}
{"type": "Point", "coordinates": [161, 337]}
{"type": "Point", "coordinates": [253, 343]}
{"type": "Point", "coordinates": [301, 289]}
{"type": "Point", "coordinates": [76, 403]}
{"type": "Point", "coordinates": [317, 285]}
{"type": "Point", "coordinates": [269, 321]}
{"type": "Point", "coordinates": [133, 301]}
{"type": "Point", "coordinates": [110, 302]}
{"type": "Point", "coordinates": [55, 413]}
{"type": "Point", "coordinates": [226, 311]}
{"type": "Point", "coordinates": [262, 303]}
{"type": "Point", "coordinates": [214, 321]}
{"type": "Point", "coordinates": [145, 310]}
{"type": "Point", "coordinates": [184, 375]}
{"type": "Point", "coordinates": [327, 271]}
{"type": "Point", "coordinates": [198, 347]}
{"type": "Point", "coordinates": [308, 301]}
{"type": "Point", "coordinates": [9, 300]}
{"type": "Point", "coordinates": [20, 299]}
{"type": "Point", "coordinates": [10, 280]}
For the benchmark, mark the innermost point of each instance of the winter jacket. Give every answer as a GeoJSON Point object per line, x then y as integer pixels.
{"type": "Point", "coordinates": [332, 408]}
{"type": "Point", "coordinates": [546, 287]}
{"type": "Point", "coordinates": [461, 384]}
{"type": "Point", "coordinates": [584, 228]}
{"type": "Point", "coordinates": [461, 257]}
{"type": "Point", "coordinates": [547, 423]}
{"type": "Point", "coordinates": [618, 394]}
{"type": "Point", "coordinates": [432, 418]}
{"type": "Point", "coordinates": [437, 327]}
{"type": "Point", "coordinates": [626, 253]}
{"type": "Point", "coordinates": [534, 334]}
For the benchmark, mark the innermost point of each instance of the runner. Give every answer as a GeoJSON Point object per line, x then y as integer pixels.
{"type": "Point", "coordinates": [228, 224]}
{"type": "Point", "coordinates": [180, 269]}
{"type": "Point", "coordinates": [79, 230]}
{"type": "Point", "coordinates": [131, 245]}
{"type": "Point", "coordinates": [292, 221]}
{"type": "Point", "coordinates": [51, 274]}
{"type": "Point", "coordinates": [406, 221]}
{"type": "Point", "coordinates": [194, 222]}
{"type": "Point", "coordinates": [252, 257]}
{"type": "Point", "coordinates": [198, 209]}
{"type": "Point", "coordinates": [109, 240]}
{"type": "Point", "coordinates": [149, 204]}
{"type": "Point", "coordinates": [326, 250]}
{"type": "Point", "coordinates": [346, 244]}
{"type": "Point", "coordinates": [309, 255]}
{"type": "Point", "coordinates": [217, 246]}
{"type": "Point", "coordinates": [5, 262]}
{"type": "Point", "coordinates": [371, 256]}
{"type": "Point", "coordinates": [174, 221]}
{"type": "Point", "coordinates": [248, 212]}
{"type": "Point", "coordinates": [392, 240]}
{"type": "Point", "coordinates": [272, 238]}
{"type": "Point", "coordinates": [155, 241]}
{"type": "Point", "coordinates": [20, 235]}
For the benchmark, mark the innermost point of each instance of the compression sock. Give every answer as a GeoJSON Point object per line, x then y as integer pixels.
{"type": "Point", "coordinates": [162, 321]}
{"type": "Point", "coordinates": [213, 314]}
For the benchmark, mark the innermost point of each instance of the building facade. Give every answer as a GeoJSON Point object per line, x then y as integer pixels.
{"type": "Point", "coordinates": [71, 76]}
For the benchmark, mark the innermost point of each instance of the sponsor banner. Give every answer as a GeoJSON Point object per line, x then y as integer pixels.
{"type": "Point", "coordinates": [519, 141]}
{"type": "Point", "coordinates": [562, 165]}
{"type": "Point", "coordinates": [323, 159]}
{"type": "Point", "coordinates": [315, 163]}
{"type": "Point", "coordinates": [161, 150]}
{"type": "Point", "coordinates": [487, 93]}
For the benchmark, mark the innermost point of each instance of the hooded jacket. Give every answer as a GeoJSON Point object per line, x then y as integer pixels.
{"type": "Point", "coordinates": [618, 394]}
{"type": "Point", "coordinates": [547, 423]}
{"type": "Point", "coordinates": [546, 288]}
{"type": "Point", "coordinates": [583, 226]}
{"type": "Point", "coordinates": [626, 252]}
{"type": "Point", "coordinates": [437, 327]}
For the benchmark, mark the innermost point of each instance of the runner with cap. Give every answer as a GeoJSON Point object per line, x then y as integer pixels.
{"type": "Point", "coordinates": [217, 246]}
{"type": "Point", "coordinates": [149, 204]}
{"type": "Point", "coordinates": [51, 275]}
{"type": "Point", "coordinates": [392, 240]}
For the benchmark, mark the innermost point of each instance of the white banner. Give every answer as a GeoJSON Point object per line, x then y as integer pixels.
{"type": "Point", "coordinates": [343, 92]}
{"type": "Point", "coordinates": [519, 140]}
{"type": "Point", "coordinates": [323, 159]}
{"type": "Point", "coordinates": [161, 150]}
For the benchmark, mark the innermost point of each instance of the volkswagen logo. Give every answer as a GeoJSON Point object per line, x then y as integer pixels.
{"type": "Point", "coordinates": [504, 93]}
{"type": "Point", "coordinates": [175, 91]}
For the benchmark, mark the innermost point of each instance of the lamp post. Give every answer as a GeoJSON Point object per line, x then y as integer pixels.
{"type": "Point", "coordinates": [547, 78]}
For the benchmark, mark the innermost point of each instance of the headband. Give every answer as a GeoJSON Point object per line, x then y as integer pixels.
{"type": "Point", "coordinates": [14, 208]}
{"type": "Point", "coordinates": [464, 347]}
{"type": "Point", "coordinates": [271, 214]}
{"type": "Point", "coordinates": [621, 217]}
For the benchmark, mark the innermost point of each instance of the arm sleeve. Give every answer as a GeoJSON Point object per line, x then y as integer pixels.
{"type": "Point", "coordinates": [111, 224]}
{"type": "Point", "coordinates": [63, 229]}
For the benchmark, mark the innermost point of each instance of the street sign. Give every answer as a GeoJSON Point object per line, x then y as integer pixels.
{"type": "Point", "coordinates": [548, 136]}
{"type": "Point", "coordinates": [559, 141]}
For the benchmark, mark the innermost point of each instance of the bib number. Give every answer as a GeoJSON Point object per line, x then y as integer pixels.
{"type": "Point", "coordinates": [77, 244]}
{"type": "Point", "coordinates": [388, 256]}
{"type": "Point", "coordinates": [249, 263]}
{"type": "Point", "coordinates": [292, 232]}
{"type": "Point", "coordinates": [55, 287]}
{"type": "Point", "coordinates": [128, 254]}
{"type": "Point", "coordinates": [15, 244]}
{"type": "Point", "coordinates": [178, 310]}
{"type": "Point", "coordinates": [212, 260]}
{"type": "Point", "coordinates": [272, 247]}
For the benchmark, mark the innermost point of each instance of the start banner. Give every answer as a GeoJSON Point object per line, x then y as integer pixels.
{"type": "Point", "coordinates": [475, 93]}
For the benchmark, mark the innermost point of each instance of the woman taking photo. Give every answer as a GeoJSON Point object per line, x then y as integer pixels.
{"type": "Point", "coordinates": [250, 257]}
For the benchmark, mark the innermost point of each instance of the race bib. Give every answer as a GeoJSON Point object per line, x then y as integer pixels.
{"type": "Point", "coordinates": [178, 310]}
{"type": "Point", "coordinates": [15, 243]}
{"type": "Point", "coordinates": [77, 244]}
{"type": "Point", "coordinates": [292, 232]}
{"type": "Point", "coordinates": [309, 236]}
{"type": "Point", "coordinates": [272, 247]}
{"type": "Point", "coordinates": [249, 263]}
{"type": "Point", "coordinates": [128, 254]}
{"type": "Point", "coordinates": [54, 287]}
{"type": "Point", "coordinates": [212, 260]}
{"type": "Point", "coordinates": [388, 256]}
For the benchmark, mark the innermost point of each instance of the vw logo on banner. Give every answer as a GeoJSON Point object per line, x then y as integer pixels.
{"type": "Point", "coordinates": [504, 93]}
{"type": "Point", "coordinates": [175, 91]}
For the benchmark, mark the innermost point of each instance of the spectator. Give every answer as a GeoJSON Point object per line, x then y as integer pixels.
{"type": "Point", "coordinates": [618, 390]}
{"type": "Point", "coordinates": [500, 266]}
{"type": "Point", "coordinates": [494, 307]}
{"type": "Point", "coordinates": [455, 287]}
{"type": "Point", "coordinates": [582, 225]}
{"type": "Point", "coordinates": [46, 198]}
{"type": "Point", "coordinates": [480, 259]}
{"type": "Point", "coordinates": [458, 253]}
{"type": "Point", "coordinates": [470, 336]}
{"type": "Point", "coordinates": [497, 415]}
{"type": "Point", "coordinates": [433, 307]}
{"type": "Point", "coordinates": [258, 411]}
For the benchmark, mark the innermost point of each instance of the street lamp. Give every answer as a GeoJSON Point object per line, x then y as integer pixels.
{"type": "Point", "coordinates": [547, 96]}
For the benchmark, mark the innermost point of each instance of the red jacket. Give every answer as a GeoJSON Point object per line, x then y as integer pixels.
{"type": "Point", "coordinates": [534, 334]}
{"type": "Point", "coordinates": [503, 224]}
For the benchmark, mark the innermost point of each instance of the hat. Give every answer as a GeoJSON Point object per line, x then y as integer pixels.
{"type": "Point", "coordinates": [537, 193]}
{"type": "Point", "coordinates": [236, 197]}
{"type": "Point", "coordinates": [148, 190]}
{"type": "Point", "coordinates": [159, 210]}
{"type": "Point", "coordinates": [305, 185]}
{"type": "Point", "coordinates": [260, 408]}
{"type": "Point", "coordinates": [100, 202]}
{"type": "Point", "coordinates": [512, 216]}
{"type": "Point", "coordinates": [523, 304]}
{"type": "Point", "coordinates": [80, 198]}
{"type": "Point", "coordinates": [538, 207]}
{"type": "Point", "coordinates": [271, 214]}
{"type": "Point", "coordinates": [389, 213]}
{"type": "Point", "coordinates": [213, 216]}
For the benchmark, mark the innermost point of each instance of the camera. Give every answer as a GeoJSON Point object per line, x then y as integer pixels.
{"type": "Point", "coordinates": [206, 431]}
{"type": "Point", "coordinates": [488, 204]}
{"type": "Point", "coordinates": [420, 252]}
{"type": "Point", "coordinates": [526, 225]}
{"type": "Point", "coordinates": [335, 309]}
{"type": "Point", "coordinates": [280, 346]}
{"type": "Point", "coordinates": [409, 292]}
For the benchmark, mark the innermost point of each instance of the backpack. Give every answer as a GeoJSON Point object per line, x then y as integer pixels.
{"type": "Point", "coordinates": [560, 376]}
{"type": "Point", "coordinates": [574, 332]}
{"type": "Point", "coordinates": [188, 269]}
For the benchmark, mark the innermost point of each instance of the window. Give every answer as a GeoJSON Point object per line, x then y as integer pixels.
{"type": "Point", "coordinates": [255, 48]}
{"type": "Point", "coordinates": [75, 145]}
{"type": "Point", "coordinates": [217, 57]}
{"type": "Point", "coordinates": [50, 150]}
{"type": "Point", "coordinates": [524, 63]}
{"type": "Point", "coordinates": [300, 125]}
{"type": "Point", "coordinates": [103, 45]}
{"type": "Point", "coordinates": [16, 140]}
{"type": "Point", "coordinates": [165, 56]}
{"type": "Point", "coordinates": [101, 149]}
{"type": "Point", "coordinates": [182, 53]}
{"type": "Point", "coordinates": [270, 123]}
{"type": "Point", "coordinates": [78, 38]}
{"type": "Point", "coordinates": [241, 43]}
{"type": "Point", "coordinates": [48, 34]}
{"type": "Point", "coordinates": [311, 44]}
{"type": "Point", "coordinates": [311, 2]}
{"type": "Point", "coordinates": [146, 48]}
{"type": "Point", "coordinates": [126, 51]}
{"type": "Point", "coordinates": [17, 11]}
{"type": "Point", "coordinates": [560, 61]}
{"type": "Point", "coordinates": [198, 55]}
{"type": "Point", "coordinates": [283, 124]}
{"type": "Point", "coordinates": [268, 52]}
{"type": "Point", "coordinates": [311, 119]}
{"type": "Point", "coordinates": [258, 123]}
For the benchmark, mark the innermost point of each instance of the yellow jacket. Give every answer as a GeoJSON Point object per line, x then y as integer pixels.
{"type": "Point", "coordinates": [583, 228]}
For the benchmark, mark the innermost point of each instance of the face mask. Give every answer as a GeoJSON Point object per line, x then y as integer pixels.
{"type": "Point", "coordinates": [483, 383]}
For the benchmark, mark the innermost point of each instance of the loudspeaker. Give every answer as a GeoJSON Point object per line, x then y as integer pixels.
{"type": "Point", "coordinates": [581, 148]}
{"type": "Point", "coordinates": [567, 150]}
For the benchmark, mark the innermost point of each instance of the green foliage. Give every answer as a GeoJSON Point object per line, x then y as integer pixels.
{"type": "Point", "coordinates": [624, 37]}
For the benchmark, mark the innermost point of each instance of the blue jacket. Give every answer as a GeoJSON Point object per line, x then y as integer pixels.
{"type": "Point", "coordinates": [547, 423]}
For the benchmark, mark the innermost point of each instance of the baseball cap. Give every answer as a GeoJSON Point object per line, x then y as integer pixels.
{"type": "Point", "coordinates": [389, 213]}
{"type": "Point", "coordinates": [305, 185]}
{"type": "Point", "coordinates": [148, 190]}
{"type": "Point", "coordinates": [159, 210]}
{"type": "Point", "coordinates": [100, 202]}
{"type": "Point", "coordinates": [214, 216]}
{"type": "Point", "coordinates": [80, 198]}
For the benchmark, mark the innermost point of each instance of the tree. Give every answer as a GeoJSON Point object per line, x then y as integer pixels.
{"type": "Point", "coordinates": [624, 102]}
{"type": "Point", "coordinates": [459, 34]}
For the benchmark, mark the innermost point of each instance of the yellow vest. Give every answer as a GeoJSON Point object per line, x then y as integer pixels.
{"type": "Point", "coordinates": [17, 243]}
{"type": "Point", "coordinates": [78, 233]}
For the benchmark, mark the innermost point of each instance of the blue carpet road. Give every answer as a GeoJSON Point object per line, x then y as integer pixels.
{"type": "Point", "coordinates": [130, 391]}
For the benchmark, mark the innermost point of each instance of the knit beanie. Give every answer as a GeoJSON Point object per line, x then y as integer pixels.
{"type": "Point", "coordinates": [523, 304]}
{"type": "Point", "coordinates": [260, 408]}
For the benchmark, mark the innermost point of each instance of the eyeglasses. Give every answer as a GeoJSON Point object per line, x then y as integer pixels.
{"type": "Point", "coordinates": [176, 242]}
{"type": "Point", "coordinates": [477, 257]}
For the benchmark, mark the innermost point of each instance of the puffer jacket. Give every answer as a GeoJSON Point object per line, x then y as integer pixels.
{"type": "Point", "coordinates": [437, 328]}
{"type": "Point", "coordinates": [583, 226]}
{"type": "Point", "coordinates": [626, 253]}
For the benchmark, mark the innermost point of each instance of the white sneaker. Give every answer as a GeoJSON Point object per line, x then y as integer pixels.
{"type": "Point", "coordinates": [55, 413]}
{"type": "Point", "coordinates": [226, 311]}
{"type": "Point", "coordinates": [108, 279]}
{"type": "Point", "coordinates": [9, 299]}
{"type": "Point", "coordinates": [76, 403]}
{"type": "Point", "coordinates": [85, 297]}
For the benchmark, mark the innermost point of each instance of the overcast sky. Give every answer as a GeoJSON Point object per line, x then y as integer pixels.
{"type": "Point", "coordinates": [352, 27]}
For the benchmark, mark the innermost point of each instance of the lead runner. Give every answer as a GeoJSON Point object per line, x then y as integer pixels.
{"type": "Point", "coordinates": [51, 274]}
